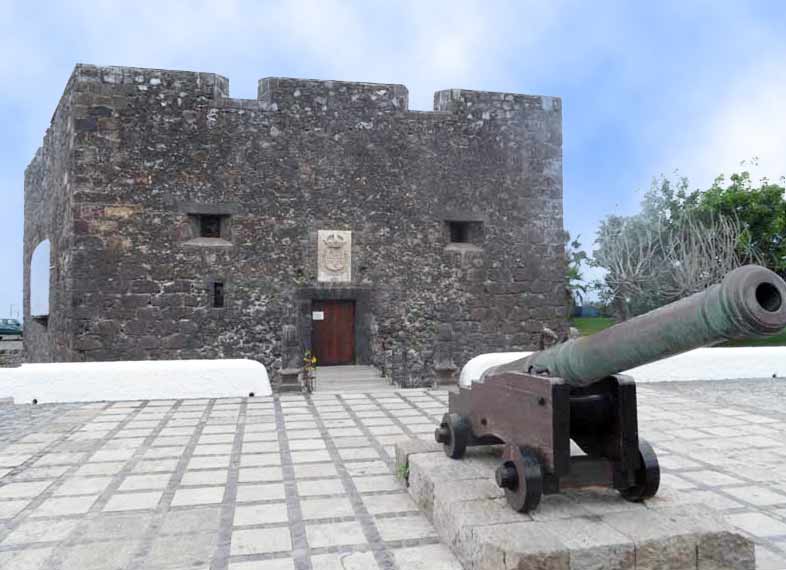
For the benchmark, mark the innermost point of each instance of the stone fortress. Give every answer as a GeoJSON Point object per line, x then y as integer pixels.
{"type": "Point", "coordinates": [184, 223]}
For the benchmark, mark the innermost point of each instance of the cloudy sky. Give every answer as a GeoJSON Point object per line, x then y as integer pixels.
{"type": "Point", "coordinates": [647, 87]}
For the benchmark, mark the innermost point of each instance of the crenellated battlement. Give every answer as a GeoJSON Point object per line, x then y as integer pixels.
{"type": "Point", "coordinates": [209, 85]}
{"type": "Point", "coordinates": [325, 96]}
{"type": "Point", "coordinates": [491, 104]}
{"type": "Point", "coordinates": [308, 96]}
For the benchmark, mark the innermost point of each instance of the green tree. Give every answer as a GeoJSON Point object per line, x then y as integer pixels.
{"type": "Point", "coordinates": [627, 250]}
{"type": "Point", "coordinates": [760, 209]}
{"type": "Point", "coordinates": [682, 240]}
{"type": "Point", "coordinates": [576, 287]}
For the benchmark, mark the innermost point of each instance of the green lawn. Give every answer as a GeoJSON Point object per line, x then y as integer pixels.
{"type": "Point", "coordinates": [590, 325]}
{"type": "Point", "coordinates": [777, 340]}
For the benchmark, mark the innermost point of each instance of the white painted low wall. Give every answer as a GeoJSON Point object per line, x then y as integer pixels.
{"type": "Point", "coordinates": [699, 364]}
{"type": "Point", "coordinates": [134, 380]}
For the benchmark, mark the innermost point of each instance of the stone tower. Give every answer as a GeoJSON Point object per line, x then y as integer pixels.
{"type": "Point", "coordinates": [187, 224]}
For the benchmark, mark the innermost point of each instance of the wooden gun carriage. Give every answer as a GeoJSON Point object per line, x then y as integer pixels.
{"type": "Point", "coordinates": [574, 391]}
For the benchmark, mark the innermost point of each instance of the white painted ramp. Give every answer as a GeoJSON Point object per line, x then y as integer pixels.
{"type": "Point", "coordinates": [700, 364]}
{"type": "Point", "coordinates": [134, 380]}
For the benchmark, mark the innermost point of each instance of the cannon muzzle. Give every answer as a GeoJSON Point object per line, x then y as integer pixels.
{"type": "Point", "coordinates": [750, 302]}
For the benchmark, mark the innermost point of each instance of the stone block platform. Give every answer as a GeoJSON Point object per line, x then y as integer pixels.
{"type": "Point", "coordinates": [587, 529]}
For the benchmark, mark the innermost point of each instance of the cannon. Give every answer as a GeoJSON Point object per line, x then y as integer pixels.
{"type": "Point", "coordinates": [536, 405]}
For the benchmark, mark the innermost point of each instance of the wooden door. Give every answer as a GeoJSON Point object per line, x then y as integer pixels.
{"type": "Point", "coordinates": [333, 335]}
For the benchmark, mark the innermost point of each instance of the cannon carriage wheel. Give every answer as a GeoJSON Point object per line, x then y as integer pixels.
{"type": "Point", "coordinates": [521, 477]}
{"type": "Point", "coordinates": [454, 433]}
{"type": "Point", "coordinates": [647, 475]}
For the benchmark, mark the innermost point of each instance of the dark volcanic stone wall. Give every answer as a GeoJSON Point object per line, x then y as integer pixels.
{"type": "Point", "coordinates": [151, 147]}
{"type": "Point", "coordinates": [49, 210]}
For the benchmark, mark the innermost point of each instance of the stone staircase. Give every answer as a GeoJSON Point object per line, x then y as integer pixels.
{"type": "Point", "coordinates": [345, 379]}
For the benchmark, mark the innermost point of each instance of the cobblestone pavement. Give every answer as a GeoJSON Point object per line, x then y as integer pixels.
{"type": "Point", "coordinates": [309, 483]}
{"type": "Point", "coordinates": [723, 444]}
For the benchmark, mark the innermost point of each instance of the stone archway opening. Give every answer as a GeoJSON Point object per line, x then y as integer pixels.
{"type": "Point", "coordinates": [40, 275]}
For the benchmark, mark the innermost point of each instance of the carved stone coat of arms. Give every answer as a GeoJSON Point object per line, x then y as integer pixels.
{"type": "Point", "coordinates": [334, 255]}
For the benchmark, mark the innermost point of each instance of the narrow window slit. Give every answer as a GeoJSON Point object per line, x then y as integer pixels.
{"type": "Point", "coordinates": [218, 294]}
{"type": "Point", "coordinates": [210, 226]}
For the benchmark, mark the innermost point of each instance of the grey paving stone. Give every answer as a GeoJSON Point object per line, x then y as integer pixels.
{"type": "Point", "coordinates": [117, 525]}
{"type": "Point", "coordinates": [311, 456]}
{"type": "Point", "coordinates": [260, 446]}
{"type": "Point", "coordinates": [428, 557]}
{"type": "Point", "coordinates": [316, 508]}
{"type": "Point", "coordinates": [758, 524]}
{"type": "Point", "coordinates": [99, 469]}
{"type": "Point", "coordinates": [306, 444]}
{"type": "Point", "coordinates": [372, 484]}
{"type": "Point", "coordinates": [260, 541]}
{"type": "Point", "coordinates": [389, 503]}
{"type": "Point", "coordinates": [188, 551]}
{"type": "Point", "coordinates": [99, 555]}
{"type": "Point", "coordinates": [335, 534]}
{"type": "Point", "coordinates": [144, 482]}
{"type": "Point", "coordinates": [406, 527]}
{"type": "Point", "coordinates": [156, 466]}
{"type": "Point", "coordinates": [23, 490]}
{"type": "Point", "coordinates": [198, 496]}
{"type": "Point", "coordinates": [260, 514]}
{"type": "Point", "coordinates": [209, 462]}
{"type": "Point", "coordinates": [355, 453]}
{"type": "Point", "coordinates": [133, 501]}
{"type": "Point", "coordinates": [315, 470]}
{"type": "Point", "coordinates": [766, 559]}
{"type": "Point", "coordinates": [211, 477]}
{"type": "Point", "coordinates": [362, 468]}
{"type": "Point", "coordinates": [60, 506]}
{"type": "Point", "coordinates": [9, 508]}
{"type": "Point", "coordinates": [320, 487]}
{"type": "Point", "coordinates": [260, 459]}
{"type": "Point", "coordinates": [40, 531]}
{"type": "Point", "coordinates": [252, 474]}
{"type": "Point", "coordinates": [213, 449]}
{"type": "Point", "coordinates": [82, 486]}
{"type": "Point", "coordinates": [344, 561]}
{"type": "Point", "coordinates": [30, 559]}
{"type": "Point", "coordinates": [161, 452]}
{"type": "Point", "coordinates": [260, 492]}
{"type": "Point", "coordinates": [199, 519]}
{"type": "Point", "coordinates": [757, 495]}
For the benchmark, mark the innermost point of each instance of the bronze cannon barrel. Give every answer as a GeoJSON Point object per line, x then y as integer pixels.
{"type": "Point", "coordinates": [750, 302]}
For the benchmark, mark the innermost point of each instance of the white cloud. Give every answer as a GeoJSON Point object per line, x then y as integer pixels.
{"type": "Point", "coordinates": [742, 119]}
{"type": "Point", "coordinates": [425, 45]}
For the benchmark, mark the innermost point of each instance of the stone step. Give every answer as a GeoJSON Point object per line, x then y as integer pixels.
{"type": "Point", "coordinates": [363, 385]}
{"type": "Point", "coordinates": [347, 369]}
{"type": "Point", "coordinates": [349, 376]}
{"type": "Point", "coordinates": [364, 373]}
{"type": "Point", "coordinates": [351, 379]}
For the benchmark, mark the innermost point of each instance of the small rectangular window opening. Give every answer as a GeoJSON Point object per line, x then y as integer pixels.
{"type": "Point", "coordinates": [459, 232]}
{"type": "Point", "coordinates": [218, 294]}
{"type": "Point", "coordinates": [210, 226]}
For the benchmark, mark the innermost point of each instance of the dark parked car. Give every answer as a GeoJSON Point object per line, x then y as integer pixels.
{"type": "Point", "coordinates": [10, 327]}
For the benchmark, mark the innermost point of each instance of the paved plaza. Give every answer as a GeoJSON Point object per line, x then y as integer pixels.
{"type": "Point", "coordinates": [309, 482]}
